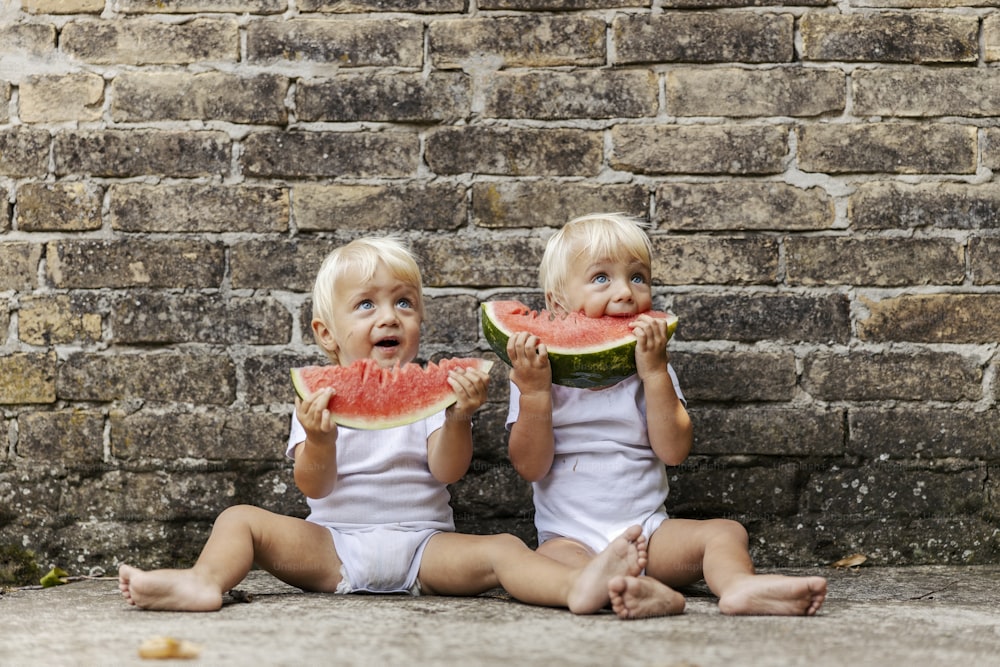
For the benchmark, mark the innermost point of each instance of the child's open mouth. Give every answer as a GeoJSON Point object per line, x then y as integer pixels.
{"type": "Point", "coordinates": [387, 342]}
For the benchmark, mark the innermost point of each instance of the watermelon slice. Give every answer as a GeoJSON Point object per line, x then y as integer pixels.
{"type": "Point", "coordinates": [583, 351]}
{"type": "Point", "coordinates": [370, 397]}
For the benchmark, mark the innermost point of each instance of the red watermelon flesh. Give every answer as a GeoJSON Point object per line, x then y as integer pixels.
{"type": "Point", "coordinates": [583, 351]}
{"type": "Point", "coordinates": [367, 396]}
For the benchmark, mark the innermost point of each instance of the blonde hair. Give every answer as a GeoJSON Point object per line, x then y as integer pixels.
{"type": "Point", "coordinates": [360, 258]}
{"type": "Point", "coordinates": [613, 236]}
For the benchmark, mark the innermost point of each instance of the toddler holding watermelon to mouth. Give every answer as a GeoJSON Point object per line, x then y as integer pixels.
{"type": "Point", "coordinates": [596, 457]}
{"type": "Point", "coordinates": [380, 519]}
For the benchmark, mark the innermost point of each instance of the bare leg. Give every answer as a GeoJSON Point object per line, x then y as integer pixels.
{"type": "Point", "coordinates": [456, 564]}
{"type": "Point", "coordinates": [296, 551]}
{"type": "Point", "coordinates": [643, 597]}
{"type": "Point", "coordinates": [683, 551]}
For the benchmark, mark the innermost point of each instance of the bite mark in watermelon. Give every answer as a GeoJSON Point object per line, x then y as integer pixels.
{"type": "Point", "coordinates": [369, 397]}
{"type": "Point", "coordinates": [583, 351]}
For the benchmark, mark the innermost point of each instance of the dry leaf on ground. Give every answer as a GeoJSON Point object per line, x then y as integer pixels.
{"type": "Point", "coordinates": [854, 560]}
{"type": "Point", "coordinates": [162, 648]}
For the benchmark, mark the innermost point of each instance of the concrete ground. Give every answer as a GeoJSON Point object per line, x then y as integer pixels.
{"type": "Point", "coordinates": [873, 616]}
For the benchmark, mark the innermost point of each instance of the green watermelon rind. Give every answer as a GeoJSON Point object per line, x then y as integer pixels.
{"type": "Point", "coordinates": [404, 418]}
{"type": "Point", "coordinates": [587, 368]}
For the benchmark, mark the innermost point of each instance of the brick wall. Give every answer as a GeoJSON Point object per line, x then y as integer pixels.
{"type": "Point", "coordinates": [819, 177]}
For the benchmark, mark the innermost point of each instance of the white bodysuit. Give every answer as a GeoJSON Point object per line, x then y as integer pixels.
{"type": "Point", "coordinates": [385, 506]}
{"type": "Point", "coordinates": [605, 476]}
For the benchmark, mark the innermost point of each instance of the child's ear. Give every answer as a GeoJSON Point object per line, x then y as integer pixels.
{"type": "Point", "coordinates": [324, 336]}
{"type": "Point", "coordinates": [552, 305]}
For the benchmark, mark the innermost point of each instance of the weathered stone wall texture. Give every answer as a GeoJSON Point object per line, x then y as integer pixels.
{"type": "Point", "coordinates": [819, 178]}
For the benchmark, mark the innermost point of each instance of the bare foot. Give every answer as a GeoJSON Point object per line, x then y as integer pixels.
{"type": "Point", "coordinates": [177, 590]}
{"type": "Point", "coordinates": [643, 597]}
{"type": "Point", "coordinates": [625, 556]}
{"type": "Point", "coordinates": [774, 594]}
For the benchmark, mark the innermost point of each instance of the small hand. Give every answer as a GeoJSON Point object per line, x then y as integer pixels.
{"type": "Point", "coordinates": [529, 361]}
{"type": "Point", "coordinates": [470, 385]}
{"type": "Point", "coordinates": [314, 415]}
{"type": "Point", "coordinates": [651, 354]}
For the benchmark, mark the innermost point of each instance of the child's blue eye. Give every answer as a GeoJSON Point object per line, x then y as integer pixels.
{"type": "Point", "coordinates": [365, 305]}
{"type": "Point", "coordinates": [600, 279]}
{"type": "Point", "coordinates": [638, 279]}
{"type": "Point", "coordinates": [404, 303]}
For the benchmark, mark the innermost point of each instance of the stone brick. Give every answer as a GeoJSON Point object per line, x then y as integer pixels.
{"type": "Point", "coordinates": [712, 491]}
{"type": "Point", "coordinates": [19, 265]}
{"type": "Point", "coordinates": [559, 5]}
{"type": "Point", "coordinates": [984, 260]}
{"type": "Point", "coordinates": [59, 207]}
{"type": "Point", "coordinates": [272, 265]}
{"type": "Point", "coordinates": [890, 37]}
{"type": "Point", "coordinates": [926, 92]}
{"type": "Point", "coordinates": [688, 149]}
{"type": "Point", "coordinates": [153, 317]}
{"type": "Point", "coordinates": [26, 39]}
{"type": "Point", "coordinates": [416, 6]}
{"type": "Point", "coordinates": [148, 496]}
{"type": "Point", "coordinates": [357, 43]}
{"type": "Point", "coordinates": [743, 93]}
{"type": "Point", "coordinates": [757, 317]}
{"type": "Point", "coordinates": [889, 375]}
{"type": "Point", "coordinates": [991, 38]}
{"type": "Point", "coordinates": [391, 97]}
{"type": "Point", "coordinates": [704, 37]}
{"type": "Point", "coordinates": [451, 324]}
{"type": "Point", "coordinates": [490, 490]}
{"type": "Point", "coordinates": [63, 6]}
{"type": "Point", "coordinates": [218, 436]}
{"type": "Point", "coordinates": [517, 41]}
{"type": "Point", "coordinates": [555, 95]}
{"type": "Point", "coordinates": [124, 153]}
{"type": "Point", "coordinates": [174, 377]}
{"type": "Point", "coordinates": [547, 203]}
{"type": "Point", "coordinates": [258, 99]}
{"type": "Point", "coordinates": [883, 262]}
{"type": "Point", "coordinates": [889, 435]}
{"type": "Point", "coordinates": [27, 378]}
{"type": "Point", "coordinates": [769, 432]}
{"type": "Point", "coordinates": [736, 205]}
{"type": "Point", "coordinates": [932, 318]}
{"type": "Point", "coordinates": [735, 376]}
{"type": "Point", "coordinates": [196, 6]}
{"type": "Point", "coordinates": [514, 152]}
{"type": "Point", "coordinates": [893, 148]}
{"type": "Point", "coordinates": [24, 151]}
{"type": "Point", "coordinates": [5, 308]}
{"type": "Point", "coordinates": [144, 41]}
{"type": "Point", "coordinates": [331, 154]}
{"type": "Point", "coordinates": [73, 437]}
{"type": "Point", "coordinates": [895, 541]}
{"type": "Point", "coordinates": [991, 148]}
{"type": "Point", "coordinates": [473, 261]}
{"type": "Point", "coordinates": [267, 380]}
{"type": "Point", "coordinates": [141, 207]}
{"type": "Point", "coordinates": [875, 491]}
{"type": "Point", "coordinates": [56, 98]}
{"type": "Point", "coordinates": [889, 205]}
{"type": "Point", "coordinates": [702, 260]}
{"type": "Point", "coordinates": [60, 319]}
{"type": "Point", "coordinates": [135, 263]}
{"type": "Point", "coordinates": [413, 206]}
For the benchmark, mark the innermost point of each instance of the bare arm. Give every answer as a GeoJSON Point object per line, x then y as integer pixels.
{"type": "Point", "coordinates": [667, 422]}
{"type": "Point", "coordinates": [449, 449]}
{"type": "Point", "coordinates": [316, 456]}
{"type": "Point", "coordinates": [531, 446]}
